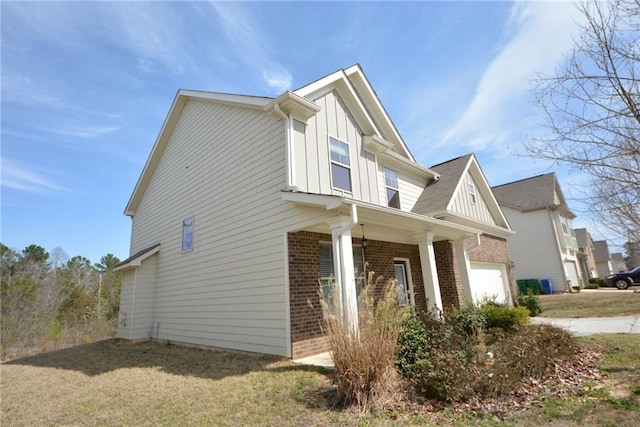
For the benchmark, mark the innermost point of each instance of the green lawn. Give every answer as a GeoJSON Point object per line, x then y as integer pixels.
{"type": "Point", "coordinates": [114, 383]}
{"type": "Point", "coordinates": [601, 303]}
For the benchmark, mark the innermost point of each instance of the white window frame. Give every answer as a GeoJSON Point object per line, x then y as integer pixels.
{"type": "Point", "coordinates": [388, 187]}
{"type": "Point", "coordinates": [187, 234]}
{"type": "Point", "coordinates": [472, 193]}
{"type": "Point", "coordinates": [325, 281]}
{"type": "Point", "coordinates": [407, 271]}
{"type": "Point", "coordinates": [340, 164]}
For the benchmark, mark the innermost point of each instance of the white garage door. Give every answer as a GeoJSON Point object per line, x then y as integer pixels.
{"type": "Point", "coordinates": [488, 281]}
{"type": "Point", "coordinates": [572, 273]}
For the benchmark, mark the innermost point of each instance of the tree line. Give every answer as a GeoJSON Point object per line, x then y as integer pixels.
{"type": "Point", "coordinates": [50, 301]}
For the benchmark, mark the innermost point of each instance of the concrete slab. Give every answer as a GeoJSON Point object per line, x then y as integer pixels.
{"type": "Point", "coordinates": [595, 325]}
{"type": "Point", "coordinates": [323, 360]}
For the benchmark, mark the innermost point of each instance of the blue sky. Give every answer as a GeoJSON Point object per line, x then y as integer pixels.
{"type": "Point", "coordinates": [86, 87]}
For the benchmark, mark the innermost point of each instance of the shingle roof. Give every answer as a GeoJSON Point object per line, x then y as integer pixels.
{"type": "Point", "coordinates": [437, 194]}
{"type": "Point", "coordinates": [528, 194]}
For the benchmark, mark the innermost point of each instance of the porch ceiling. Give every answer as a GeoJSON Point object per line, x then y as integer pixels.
{"type": "Point", "coordinates": [381, 222]}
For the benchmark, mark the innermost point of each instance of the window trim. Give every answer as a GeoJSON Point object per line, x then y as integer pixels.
{"type": "Point", "coordinates": [473, 199]}
{"type": "Point", "coordinates": [388, 187]}
{"type": "Point", "coordinates": [340, 164]}
{"type": "Point", "coordinates": [411, 296]}
{"type": "Point", "coordinates": [187, 234]}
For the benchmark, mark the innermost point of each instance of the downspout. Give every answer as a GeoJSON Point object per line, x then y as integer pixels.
{"type": "Point", "coordinates": [288, 128]}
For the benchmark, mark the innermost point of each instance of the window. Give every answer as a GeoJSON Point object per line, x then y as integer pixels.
{"type": "Point", "coordinates": [327, 272]}
{"type": "Point", "coordinates": [404, 294]}
{"type": "Point", "coordinates": [472, 193]}
{"type": "Point", "coordinates": [391, 182]}
{"type": "Point", "coordinates": [187, 235]}
{"type": "Point", "coordinates": [340, 165]}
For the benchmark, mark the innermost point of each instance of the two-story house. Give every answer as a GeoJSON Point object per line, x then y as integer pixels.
{"type": "Point", "coordinates": [249, 207]}
{"type": "Point", "coordinates": [544, 246]}
{"type": "Point", "coordinates": [602, 256]}
{"type": "Point", "coordinates": [586, 260]}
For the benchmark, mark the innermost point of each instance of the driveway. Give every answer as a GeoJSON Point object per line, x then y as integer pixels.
{"type": "Point", "coordinates": [595, 325]}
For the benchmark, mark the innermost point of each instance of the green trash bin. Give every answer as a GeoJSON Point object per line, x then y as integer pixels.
{"type": "Point", "coordinates": [529, 285]}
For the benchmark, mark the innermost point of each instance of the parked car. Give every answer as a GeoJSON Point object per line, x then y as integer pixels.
{"type": "Point", "coordinates": [624, 280]}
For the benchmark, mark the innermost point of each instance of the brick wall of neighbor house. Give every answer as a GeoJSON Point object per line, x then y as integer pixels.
{"type": "Point", "coordinates": [491, 249]}
{"type": "Point", "coordinates": [307, 336]}
{"type": "Point", "coordinates": [448, 274]}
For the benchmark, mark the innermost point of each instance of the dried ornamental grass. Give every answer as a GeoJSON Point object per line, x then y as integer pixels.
{"type": "Point", "coordinates": [365, 360]}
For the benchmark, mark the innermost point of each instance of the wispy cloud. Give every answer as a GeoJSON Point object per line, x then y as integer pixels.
{"type": "Point", "coordinates": [538, 34]}
{"type": "Point", "coordinates": [244, 34]}
{"type": "Point", "coordinates": [20, 176]}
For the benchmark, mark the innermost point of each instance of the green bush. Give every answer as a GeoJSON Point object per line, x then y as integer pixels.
{"type": "Point", "coordinates": [505, 318]}
{"type": "Point", "coordinates": [469, 319]}
{"type": "Point", "coordinates": [413, 345]}
{"type": "Point", "coordinates": [592, 285]}
{"type": "Point", "coordinates": [532, 303]}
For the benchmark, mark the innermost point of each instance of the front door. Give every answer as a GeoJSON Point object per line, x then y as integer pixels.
{"type": "Point", "coordinates": [404, 296]}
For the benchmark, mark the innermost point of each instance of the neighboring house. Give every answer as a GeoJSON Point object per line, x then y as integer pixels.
{"type": "Point", "coordinates": [249, 207]}
{"type": "Point", "coordinates": [586, 259]}
{"type": "Point", "coordinates": [544, 246]}
{"type": "Point", "coordinates": [603, 258]}
{"type": "Point", "coordinates": [618, 264]}
{"type": "Point", "coordinates": [633, 254]}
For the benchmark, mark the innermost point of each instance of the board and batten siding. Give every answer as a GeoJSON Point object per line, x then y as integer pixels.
{"type": "Point", "coordinates": [226, 167]}
{"type": "Point", "coordinates": [534, 249]}
{"type": "Point", "coordinates": [312, 165]}
{"type": "Point", "coordinates": [461, 203]}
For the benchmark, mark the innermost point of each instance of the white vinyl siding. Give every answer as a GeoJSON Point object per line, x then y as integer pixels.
{"type": "Point", "coordinates": [230, 291]}
{"type": "Point", "coordinates": [461, 203]}
{"type": "Point", "coordinates": [534, 248]}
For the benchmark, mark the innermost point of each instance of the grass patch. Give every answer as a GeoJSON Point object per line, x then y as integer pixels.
{"type": "Point", "coordinates": [114, 383]}
{"type": "Point", "coordinates": [591, 304]}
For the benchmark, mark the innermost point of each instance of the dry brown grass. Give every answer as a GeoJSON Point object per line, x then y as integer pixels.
{"type": "Point", "coordinates": [602, 303]}
{"type": "Point", "coordinates": [114, 383]}
{"type": "Point", "coordinates": [365, 361]}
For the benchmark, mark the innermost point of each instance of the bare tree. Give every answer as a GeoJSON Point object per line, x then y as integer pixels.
{"type": "Point", "coordinates": [592, 106]}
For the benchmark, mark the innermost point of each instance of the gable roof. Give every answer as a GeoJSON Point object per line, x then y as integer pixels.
{"type": "Point", "coordinates": [288, 101]}
{"type": "Point", "coordinates": [530, 194]}
{"type": "Point", "coordinates": [438, 196]}
{"type": "Point", "coordinates": [355, 89]}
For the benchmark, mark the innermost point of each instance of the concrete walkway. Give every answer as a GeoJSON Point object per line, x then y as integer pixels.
{"type": "Point", "coordinates": [594, 325]}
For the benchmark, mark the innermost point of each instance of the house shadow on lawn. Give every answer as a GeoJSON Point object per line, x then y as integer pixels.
{"type": "Point", "coordinates": [113, 354]}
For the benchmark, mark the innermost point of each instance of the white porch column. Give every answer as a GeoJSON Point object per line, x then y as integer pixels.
{"type": "Point", "coordinates": [464, 269]}
{"type": "Point", "coordinates": [429, 271]}
{"type": "Point", "coordinates": [344, 270]}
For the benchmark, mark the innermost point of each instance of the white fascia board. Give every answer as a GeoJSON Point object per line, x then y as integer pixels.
{"type": "Point", "coordinates": [309, 199]}
{"type": "Point", "coordinates": [156, 152]}
{"type": "Point", "coordinates": [357, 77]}
{"type": "Point", "coordinates": [294, 105]}
{"type": "Point", "coordinates": [463, 220]}
{"type": "Point", "coordinates": [227, 98]}
{"type": "Point", "coordinates": [476, 172]}
{"type": "Point", "coordinates": [407, 163]}
{"type": "Point", "coordinates": [445, 228]}
{"type": "Point", "coordinates": [137, 262]}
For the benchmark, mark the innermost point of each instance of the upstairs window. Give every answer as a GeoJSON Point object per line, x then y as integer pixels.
{"type": "Point", "coordinates": [472, 193]}
{"type": "Point", "coordinates": [340, 165]}
{"type": "Point", "coordinates": [187, 235]}
{"type": "Point", "coordinates": [391, 182]}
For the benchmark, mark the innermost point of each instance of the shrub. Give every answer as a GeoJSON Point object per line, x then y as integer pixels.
{"type": "Point", "coordinates": [468, 319]}
{"type": "Point", "coordinates": [533, 352]}
{"type": "Point", "coordinates": [532, 303]}
{"type": "Point", "coordinates": [592, 285]}
{"type": "Point", "coordinates": [365, 360]}
{"type": "Point", "coordinates": [505, 318]}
